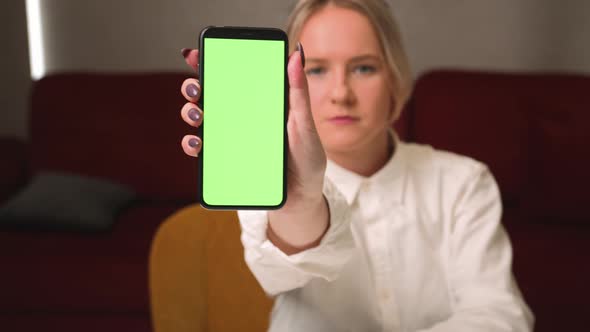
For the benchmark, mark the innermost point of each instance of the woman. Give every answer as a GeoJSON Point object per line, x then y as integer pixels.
{"type": "Point", "coordinates": [377, 234]}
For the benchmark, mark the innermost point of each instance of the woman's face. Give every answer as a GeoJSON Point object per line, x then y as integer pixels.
{"type": "Point", "coordinates": [348, 79]}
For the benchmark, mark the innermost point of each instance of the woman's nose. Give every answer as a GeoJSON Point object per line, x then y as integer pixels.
{"type": "Point", "coordinates": [341, 92]}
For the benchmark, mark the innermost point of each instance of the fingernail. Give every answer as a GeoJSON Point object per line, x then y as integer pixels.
{"type": "Point", "coordinates": [194, 115]}
{"type": "Point", "coordinates": [185, 52]}
{"type": "Point", "coordinates": [192, 90]}
{"type": "Point", "coordinates": [193, 142]}
{"type": "Point", "coordinates": [300, 49]}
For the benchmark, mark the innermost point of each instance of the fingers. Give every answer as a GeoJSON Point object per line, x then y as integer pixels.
{"type": "Point", "coordinates": [295, 71]}
{"type": "Point", "coordinates": [191, 145]}
{"type": "Point", "coordinates": [191, 90]}
{"type": "Point", "coordinates": [298, 93]}
{"type": "Point", "coordinates": [191, 114]}
{"type": "Point", "coordinates": [191, 56]}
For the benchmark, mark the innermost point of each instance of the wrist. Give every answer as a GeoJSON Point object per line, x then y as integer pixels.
{"type": "Point", "coordinates": [300, 228]}
{"type": "Point", "coordinates": [306, 201]}
{"type": "Point", "coordinates": [306, 194]}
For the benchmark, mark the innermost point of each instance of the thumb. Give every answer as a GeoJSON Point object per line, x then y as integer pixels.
{"type": "Point", "coordinates": [298, 92]}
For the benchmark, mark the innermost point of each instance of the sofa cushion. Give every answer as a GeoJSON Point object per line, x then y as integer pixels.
{"type": "Point", "coordinates": [481, 115]}
{"type": "Point", "coordinates": [560, 168]}
{"type": "Point", "coordinates": [81, 272]}
{"type": "Point", "coordinates": [61, 201]}
{"type": "Point", "coordinates": [121, 126]}
{"type": "Point", "coordinates": [75, 321]}
{"type": "Point", "coordinates": [550, 265]}
{"type": "Point", "coordinates": [532, 130]}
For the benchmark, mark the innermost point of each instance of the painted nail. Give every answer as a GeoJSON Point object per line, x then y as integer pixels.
{"type": "Point", "coordinates": [185, 52]}
{"type": "Point", "coordinates": [300, 49]}
{"type": "Point", "coordinates": [192, 90]}
{"type": "Point", "coordinates": [193, 142]}
{"type": "Point", "coordinates": [194, 115]}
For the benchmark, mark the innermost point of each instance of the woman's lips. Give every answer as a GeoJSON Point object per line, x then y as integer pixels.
{"type": "Point", "coordinates": [343, 120]}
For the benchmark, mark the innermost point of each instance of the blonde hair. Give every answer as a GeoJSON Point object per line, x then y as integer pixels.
{"type": "Point", "coordinates": [379, 14]}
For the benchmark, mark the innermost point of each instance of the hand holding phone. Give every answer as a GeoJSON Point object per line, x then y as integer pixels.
{"type": "Point", "coordinates": [306, 162]}
{"type": "Point", "coordinates": [243, 163]}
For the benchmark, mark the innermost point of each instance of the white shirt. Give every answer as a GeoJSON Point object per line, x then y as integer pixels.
{"type": "Point", "coordinates": [418, 246]}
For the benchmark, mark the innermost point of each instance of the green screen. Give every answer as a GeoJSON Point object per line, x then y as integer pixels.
{"type": "Point", "coordinates": [244, 121]}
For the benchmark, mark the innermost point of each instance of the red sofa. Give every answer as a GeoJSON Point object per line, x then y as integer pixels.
{"type": "Point", "coordinates": [531, 129]}
{"type": "Point", "coordinates": [122, 127]}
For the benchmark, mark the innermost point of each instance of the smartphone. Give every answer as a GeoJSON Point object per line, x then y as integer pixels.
{"type": "Point", "coordinates": [244, 98]}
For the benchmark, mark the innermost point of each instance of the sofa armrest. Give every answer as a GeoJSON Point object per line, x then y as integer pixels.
{"type": "Point", "coordinates": [13, 168]}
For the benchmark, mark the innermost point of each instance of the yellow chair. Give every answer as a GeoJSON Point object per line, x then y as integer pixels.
{"type": "Point", "coordinates": [198, 278]}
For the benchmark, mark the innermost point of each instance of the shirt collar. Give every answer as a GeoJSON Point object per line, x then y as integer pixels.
{"type": "Point", "coordinates": [388, 180]}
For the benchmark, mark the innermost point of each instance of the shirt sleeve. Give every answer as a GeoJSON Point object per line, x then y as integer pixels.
{"type": "Point", "coordinates": [484, 294]}
{"type": "Point", "coordinates": [278, 272]}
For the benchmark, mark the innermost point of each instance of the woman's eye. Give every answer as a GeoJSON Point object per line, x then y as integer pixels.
{"type": "Point", "coordinates": [315, 71]}
{"type": "Point", "coordinates": [364, 69]}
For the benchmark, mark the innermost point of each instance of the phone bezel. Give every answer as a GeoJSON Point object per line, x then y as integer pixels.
{"type": "Point", "coordinates": [255, 33]}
